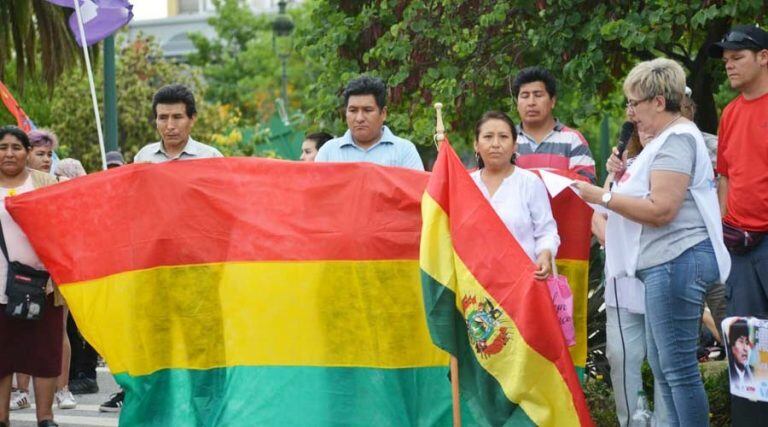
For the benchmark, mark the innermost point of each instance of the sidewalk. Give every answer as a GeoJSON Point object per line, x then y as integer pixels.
{"type": "Point", "coordinates": [87, 411]}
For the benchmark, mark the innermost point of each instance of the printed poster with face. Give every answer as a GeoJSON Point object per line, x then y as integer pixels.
{"type": "Point", "coordinates": [746, 344]}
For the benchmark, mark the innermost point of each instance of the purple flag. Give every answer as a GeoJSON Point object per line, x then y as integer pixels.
{"type": "Point", "coordinates": [101, 18]}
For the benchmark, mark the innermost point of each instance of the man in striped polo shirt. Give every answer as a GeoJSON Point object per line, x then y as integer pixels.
{"type": "Point", "coordinates": [544, 142]}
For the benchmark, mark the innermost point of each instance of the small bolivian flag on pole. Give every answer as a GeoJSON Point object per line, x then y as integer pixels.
{"type": "Point", "coordinates": [484, 307]}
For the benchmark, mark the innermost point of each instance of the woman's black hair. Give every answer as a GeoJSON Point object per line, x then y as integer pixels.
{"type": "Point", "coordinates": [320, 138]}
{"type": "Point", "coordinates": [18, 133]}
{"type": "Point", "coordinates": [494, 115]}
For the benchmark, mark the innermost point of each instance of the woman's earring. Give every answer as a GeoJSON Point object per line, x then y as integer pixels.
{"type": "Point", "coordinates": [477, 158]}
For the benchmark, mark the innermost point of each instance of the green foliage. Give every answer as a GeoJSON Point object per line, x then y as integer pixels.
{"type": "Point", "coordinates": [35, 39]}
{"type": "Point", "coordinates": [242, 68]}
{"type": "Point", "coordinates": [716, 383]}
{"type": "Point", "coordinates": [600, 402]}
{"type": "Point", "coordinates": [140, 70]}
{"type": "Point", "coordinates": [599, 395]}
{"type": "Point", "coordinates": [464, 53]}
{"type": "Point", "coordinates": [34, 99]}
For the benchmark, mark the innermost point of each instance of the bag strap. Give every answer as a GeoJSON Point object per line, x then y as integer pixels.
{"type": "Point", "coordinates": [2, 243]}
{"type": "Point", "coordinates": [554, 266]}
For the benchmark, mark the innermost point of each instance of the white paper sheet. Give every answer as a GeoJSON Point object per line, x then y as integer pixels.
{"type": "Point", "coordinates": [556, 184]}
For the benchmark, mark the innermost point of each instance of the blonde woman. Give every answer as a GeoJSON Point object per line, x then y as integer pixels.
{"type": "Point", "coordinates": [667, 231]}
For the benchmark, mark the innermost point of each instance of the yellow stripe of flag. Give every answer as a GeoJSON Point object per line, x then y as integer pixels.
{"type": "Point", "coordinates": [259, 313]}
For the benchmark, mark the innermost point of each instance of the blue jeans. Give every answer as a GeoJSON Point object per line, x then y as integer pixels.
{"type": "Point", "coordinates": [625, 350]}
{"type": "Point", "coordinates": [747, 286]}
{"type": "Point", "coordinates": [674, 295]}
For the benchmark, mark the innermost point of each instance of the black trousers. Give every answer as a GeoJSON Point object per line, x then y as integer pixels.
{"type": "Point", "coordinates": [84, 357]}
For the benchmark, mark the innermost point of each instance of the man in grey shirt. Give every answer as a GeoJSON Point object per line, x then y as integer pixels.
{"type": "Point", "coordinates": [175, 114]}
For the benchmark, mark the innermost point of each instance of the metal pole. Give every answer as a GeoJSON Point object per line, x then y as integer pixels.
{"type": "Point", "coordinates": [110, 95]}
{"type": "Point", "coordinates": [284, 89]}
{"type": "Point", "coordinates": [605, 147]}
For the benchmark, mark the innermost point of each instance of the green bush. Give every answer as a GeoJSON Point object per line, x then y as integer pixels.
{"type": "Point", "coordinates": [599, 395]}
{"type": "Point", "coordinates": [600, 401]}
{"type": "Point", "coordinates": [718, 390]}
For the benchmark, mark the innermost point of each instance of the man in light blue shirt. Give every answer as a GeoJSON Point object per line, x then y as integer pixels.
{"type": "Point", "coordinates": [367, 139]}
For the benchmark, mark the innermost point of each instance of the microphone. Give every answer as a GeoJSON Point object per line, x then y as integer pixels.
{"type": "Point", "coordinates": [627, 129]}
{"type": "Point", "coordinates": [624, 136]}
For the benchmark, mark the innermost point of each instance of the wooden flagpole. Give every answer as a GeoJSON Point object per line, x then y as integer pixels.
{"type": "Point", "coordinates": [440, 137]}
{"type": "Point", "coordinates": [439, 127]}
{"type": "Point", "coordinates": [455, 391]}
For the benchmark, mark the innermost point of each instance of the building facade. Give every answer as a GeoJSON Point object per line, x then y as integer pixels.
{"type": "Point", "coordinates": [185, 17]}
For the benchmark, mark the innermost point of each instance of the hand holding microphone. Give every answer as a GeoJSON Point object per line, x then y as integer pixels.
{"type": "Point", "coordinates": [615, 164]}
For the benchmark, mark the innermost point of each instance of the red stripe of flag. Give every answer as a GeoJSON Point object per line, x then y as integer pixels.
{"type": "Point", "coordinates": [218, 210]}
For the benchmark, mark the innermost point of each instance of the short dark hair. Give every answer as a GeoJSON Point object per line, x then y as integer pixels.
{"type": "Point", "coordinates": [320, 138]}
{"type": "Point", "coordinates": [738, 329]}
{"type": "Point", "coordinates": [18, 133]}
{"type": "Point", "coordinates": [174, 94]}
{"type": "Point", "coordinates": [495, 115]}
{"type": "Point", "coordinates": [367, 85]}
{"type": "Point", "coordinates": [535, 74]}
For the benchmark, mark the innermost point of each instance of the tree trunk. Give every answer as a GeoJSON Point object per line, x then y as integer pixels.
{"type": "Point", "coordinates": [701, 78]}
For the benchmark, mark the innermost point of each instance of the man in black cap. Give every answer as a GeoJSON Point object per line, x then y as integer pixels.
{"type": "Point", "coordinates": [742, 162]}
{"type": "Point", "coordinates": [742, 159]}
{"type": "Point", "coordinates": [114, 159]}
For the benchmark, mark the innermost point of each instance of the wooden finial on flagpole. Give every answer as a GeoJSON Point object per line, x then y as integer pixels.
{"type": "Point", "coordinates": [439, 126]}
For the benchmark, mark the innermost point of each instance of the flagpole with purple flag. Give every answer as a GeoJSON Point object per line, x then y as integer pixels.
{"type": "Point", "coordinates": [103, 18]}
{"type": "Point", "coordinates": [81, 29]}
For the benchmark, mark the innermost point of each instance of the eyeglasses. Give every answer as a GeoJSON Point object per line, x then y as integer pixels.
{"type": "Point", "coordinates": [632, 104]}
{"type": "Point", "coordinates": [738, 37]}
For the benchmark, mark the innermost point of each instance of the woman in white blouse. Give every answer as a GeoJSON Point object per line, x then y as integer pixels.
{"type": "Point", "coordinates": [518, 196]}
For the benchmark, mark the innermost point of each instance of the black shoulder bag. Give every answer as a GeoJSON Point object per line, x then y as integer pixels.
{"type": "Point", "coordinates": [25, 287]}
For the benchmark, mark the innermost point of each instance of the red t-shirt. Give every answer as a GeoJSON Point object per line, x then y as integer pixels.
{"type": "Point", "coordinates": [742, 157]}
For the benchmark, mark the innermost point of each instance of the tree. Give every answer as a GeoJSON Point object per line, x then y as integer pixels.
{"type": "Point", "coordinates": [240, 65]}
{"type": "Point", "coordinates": [465, 53]}
{"type": "Point", "coordinates": [32, 32]}
{"type": "Point", "coordinates": [632, 31]}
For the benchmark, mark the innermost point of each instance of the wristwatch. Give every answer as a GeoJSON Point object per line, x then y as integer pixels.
{"type": "Point", "coordinates": [606, 198]}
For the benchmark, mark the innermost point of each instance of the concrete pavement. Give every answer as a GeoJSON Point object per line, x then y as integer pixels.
{"type": "Point", "coordinates": [87, 411]}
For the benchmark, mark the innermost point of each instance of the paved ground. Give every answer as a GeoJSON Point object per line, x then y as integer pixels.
{"type": "Point", "coordinates": [87, 411]}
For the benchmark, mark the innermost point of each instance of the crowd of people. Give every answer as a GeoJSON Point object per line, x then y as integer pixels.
{"type": "Point", "coordinates": [683, 222]}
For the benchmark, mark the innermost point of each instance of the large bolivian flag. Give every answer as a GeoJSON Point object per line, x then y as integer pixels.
{"type": "Point", "coordinates": [248, 292]}
{"type": "Point", "coordinates": [484, 307]}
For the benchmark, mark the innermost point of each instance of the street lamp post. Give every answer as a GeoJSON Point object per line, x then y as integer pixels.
{"type": "Point", "coordinates": [282, 43]}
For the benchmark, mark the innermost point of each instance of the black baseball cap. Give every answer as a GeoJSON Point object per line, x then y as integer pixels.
{"type": "Point", "coordinates": [115, 158]}
{"type": "Point", "coordinates": [740, 37]}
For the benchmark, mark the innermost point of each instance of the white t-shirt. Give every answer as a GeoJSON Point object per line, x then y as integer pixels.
{"type": "Point", "coordinates": [522, 203]}
{"type": "Point", "coordinates": [631, 293]}
{"type": "Point", "coordinates": [19, 248]}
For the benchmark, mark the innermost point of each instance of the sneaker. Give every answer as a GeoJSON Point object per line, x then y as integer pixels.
{"type": "Point", "coordinates": [47, 423]}
{"type": "Point", "coordinates": [114, 403]}
{"type": "Point", "coordinates": [19, 400]}
{"type": "Point", "coordinates": [83, 385]}
{"type": "Point", "coordinates": [64, 399]}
